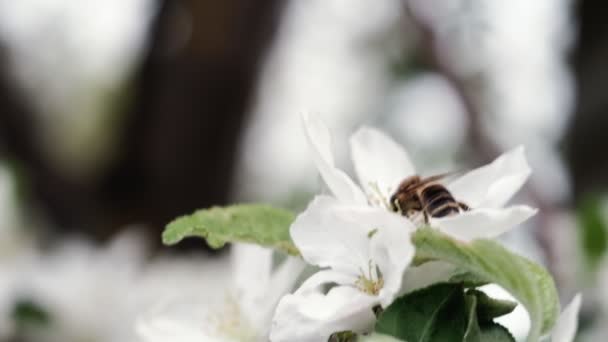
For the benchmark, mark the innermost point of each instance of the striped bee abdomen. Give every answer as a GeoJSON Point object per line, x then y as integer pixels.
{"type": "Point", "coordinates": [438, 201]}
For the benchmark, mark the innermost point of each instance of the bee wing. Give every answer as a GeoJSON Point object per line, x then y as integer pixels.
{"type": "Point", "coordinates": [437, 178]}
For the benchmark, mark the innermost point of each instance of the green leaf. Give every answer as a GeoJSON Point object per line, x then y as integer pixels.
{"type": "Point", "coordinates": [528, 282]}
{"type": "Point", "coordinates": [26, 313]}
{"type": "Point", "coordinates": [442, 312]}
{"type": "Point", "coordinates": [473, 331]}
{"type": "Point", "coordinates": [489, 308]}
{"type": "Point", "coordinates": [495, 332]}
{"type": "Point", "coordinates": [343, 336]}
{"type": "Point", "coordinates": [479, 331]}
{"type": "Point", "coordinates": [435, 313]}
{"type": "Point", "coordinates": [468, 279]}
{"type": "Point", "coordinates": [251, 223]}
{"type": "Point", "coordinates": [593, 232]}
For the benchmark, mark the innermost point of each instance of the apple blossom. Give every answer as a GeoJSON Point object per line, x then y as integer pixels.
{"type": "Point", "coordinates": [381, 164]}
{"type": "Point", "coordinates": [241, 315]}
{"type": "Point", "coordinates": [363, 253]}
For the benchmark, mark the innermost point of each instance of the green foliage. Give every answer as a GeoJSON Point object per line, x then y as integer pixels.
{"type": "Point", "coordinates": [343, 336]}
{"type": "Point", "coordinates": [480, 328]}
{"type": "Point", "coordinates": [468, 279]}
{"type": "Point", "coordinates": [27, 313]}
{"type": "Point", "coordinates": [442, 312]}
{"type": "Point", "coordinates": [253, 223]}
{"type": "Point", "coordinates": [489, 308]}
{"type": "Point", "coordinates": [528, 282]}
{"type": "Point", "coordinates": [593, 231]}
{"type": "Point", "coordinates": [480, 262]}
{"type": "Point", "coordinates": [415, 317]}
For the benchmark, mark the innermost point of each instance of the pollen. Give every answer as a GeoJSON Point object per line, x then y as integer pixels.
{"type": "Point", "coordinates": [231, 323]}
{"type": "Point", "coordinates": [369, 286]}
{"type": "Point", "coordinates": [376, 198]}
{"type": "Point", "coordinates": [372, 282]}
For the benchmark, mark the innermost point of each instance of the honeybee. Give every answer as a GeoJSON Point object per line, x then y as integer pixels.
{"type": "Point", "coordinates": [426, 196]}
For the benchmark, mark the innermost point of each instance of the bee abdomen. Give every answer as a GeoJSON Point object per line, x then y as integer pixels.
{"type": "Point", "coordinates": [439, 202]}
{"type": "Point", "coordinates": [446, 209]}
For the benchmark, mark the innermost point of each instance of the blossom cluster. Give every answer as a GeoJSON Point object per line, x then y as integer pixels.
{"type": "Point", "coordinates": [359, 247]}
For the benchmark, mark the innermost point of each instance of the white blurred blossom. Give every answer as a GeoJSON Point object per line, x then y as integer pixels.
{"type": "Point", "coordinates": [72, 58]}
{"type": "Point", "coordinates": [88, 292]}
{"type": "Point", "coordinates": [426, 113]}
{"type": "Point", "coordinates": [566, 327]}
{"type": "Point", "coordinates": [239, 311]}
{"type": "Point", "coordinates": [95, 293]}
{"type": "Point", "coordinates": [511, 60]}
{"type": "Point", "coordinates": [17, 248]}
{"type": "Point", "coordinates": [326, 59]}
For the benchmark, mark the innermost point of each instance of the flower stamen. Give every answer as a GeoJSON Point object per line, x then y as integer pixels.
{"type": "Point", "coordinates": [377, 198]}
{"type": "Point", "coordinates": [372, 282]}
{"type": "Point", "coordinates": [230, 322]}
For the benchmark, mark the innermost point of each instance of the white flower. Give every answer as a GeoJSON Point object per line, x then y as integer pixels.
{"type": "Point", "coordinates": [518, 321]}
{"type": "Point", "coordinates": [364, 252]}
{"type": "Point", "coordinates": [88, 291]}
{"type": "Point", "coordinates": [17, 249]}
{"type": "Point", "coordinates": [243, 315]}
{"type": "Point", "coordinates": [381, 164]}
{"type": "Point", "coordinates": [567, 323]}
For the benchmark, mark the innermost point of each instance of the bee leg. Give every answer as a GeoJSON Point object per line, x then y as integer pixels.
{"type": "Point", "coordinates": [463, 206]}
{"type": "Point", "coordinates": [426, 217]}
{"type": "Point", "coordinates": [397, 207]}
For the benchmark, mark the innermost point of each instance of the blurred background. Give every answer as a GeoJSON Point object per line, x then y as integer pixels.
{"type": "Point", "coordinates": [117, 116]}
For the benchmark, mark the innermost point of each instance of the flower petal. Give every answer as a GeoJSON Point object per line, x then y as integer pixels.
{"type": "Point", "coordinates": [388, 236]}
{"type": "Point", "coordinates": [483, 223]}
{"type": "Point", "coordinates": [319, 140]}
{"type": "Point", "coordinates": [315, 316]}
{"type": "Point", "coordinates": [323, 277]}
{"type": "Point", "coordinates": [427, 274]}
{"type": "Point", "coordinates": [161, 329]}
{"type": "Point", "coordinates": [251, 268]}
{"type": "Point", "coordinates": [494, 184]}
{"type": "Point", "coordinates": [566, 325]}
{"type": "Point", "coordinates": [258, 288]}
{"type": "Point", "coordinates": [179, 322]}
{"type": "Point", "coordinates": [326, 240]}
{"type": "Point", "coordinates": [392, 250]}
{"type": "Point", "coordinates": [380, 163]}
{"type": "Point", "coordinates": [284, 278]}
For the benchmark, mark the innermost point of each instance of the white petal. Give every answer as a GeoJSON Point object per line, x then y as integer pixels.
{"type": "Point", "coordinates": [392, 251]}
{"type": "Point", "coordinates": [177, 321]}
{"type": "Point", "coordinates": [494, 184]}
{"type": "Point", "coordinates": [566, 325]}
{"type": "Point", "coordinates": [315, 316]}
{"type": "Point", "coordinates": [379, 161]}
{"type": "Point", "coordinates": [427, 274]}
{"type": "Point", "coordinates": [320, 144]}
{"type": "Point", "coordinates": [483, 223]}
{"type": "Point", "coordinates": [162, 329]}
{"type": "Point", "coordinates": [251, 267]}
{"type": "Point", "coordinates": [324, 277]}
{"type": "Point", "coordinates": [284, 278]}
{"type": "Point", "coordinates": [259, 301]}
{"type": "Point", "coordinates": [326, 240]}
{"type": "Point", "coordinates": [390, 245]}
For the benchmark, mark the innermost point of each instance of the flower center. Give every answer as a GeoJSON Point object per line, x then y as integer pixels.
{"type": "Point", "coordinates": [372, 282]}
{"type": "Point", "coordinates": [230, 322]}
{"type": "Point", "coordinates": [376, 197]}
